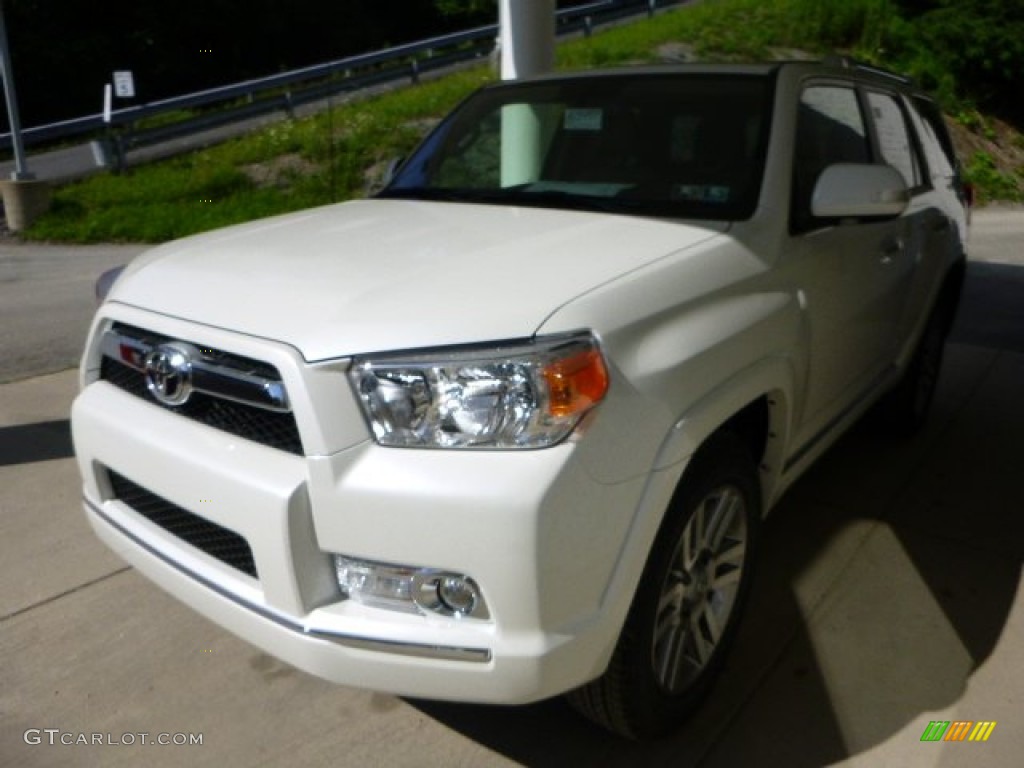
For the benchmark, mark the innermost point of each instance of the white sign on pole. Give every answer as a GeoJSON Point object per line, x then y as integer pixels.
{"type": "Point", "coordinates": [124, 85]}
{"type": "Point", "coordinates": [107, 106]}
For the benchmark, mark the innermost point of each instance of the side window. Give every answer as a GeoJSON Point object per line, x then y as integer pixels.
{"type": "Point", "coordinates": [894, 141]}
{"type": "Point", "coordinates": [941, 154]}
{"type": "Point", "coordinates": [830, 129]}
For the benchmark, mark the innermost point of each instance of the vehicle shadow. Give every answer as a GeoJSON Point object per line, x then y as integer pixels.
{"type": "Point", "coordinates": [42, 441]}
{"type": "Point", "coordinates": [885, 580]}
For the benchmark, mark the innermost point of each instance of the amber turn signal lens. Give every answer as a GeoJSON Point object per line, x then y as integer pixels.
{"type": "Point", "coordinates": [576, 383]}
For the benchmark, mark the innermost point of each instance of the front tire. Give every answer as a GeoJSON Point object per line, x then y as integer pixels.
{"type": "Point", "coordinates": [687, 605]}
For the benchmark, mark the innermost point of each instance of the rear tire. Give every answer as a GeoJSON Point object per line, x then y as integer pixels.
{"type": "Point", "coordinates": [904, 410]}
{"type": "Point", "coordinates": [687, 606]}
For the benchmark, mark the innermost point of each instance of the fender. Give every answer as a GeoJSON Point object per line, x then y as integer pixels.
{"type": "Point", "coordinates": [770, 377]}
{"type": "Point", "coordinates": [773, 378]}
{"type": "Point", "coordinates": [709, 363]}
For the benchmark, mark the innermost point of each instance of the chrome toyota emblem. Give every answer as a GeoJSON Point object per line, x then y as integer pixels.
{"type": "Point", "coordinates": [169, 373]}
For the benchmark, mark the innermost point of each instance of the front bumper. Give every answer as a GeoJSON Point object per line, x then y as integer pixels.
{"type": "Point", "coordinates": [541, 537]}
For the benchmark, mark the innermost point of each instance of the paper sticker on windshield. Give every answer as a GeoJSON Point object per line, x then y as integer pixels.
{"type": "Point", "coordinates": [584, 119]}
{"type": "Point", "coordinates": [701, 193]}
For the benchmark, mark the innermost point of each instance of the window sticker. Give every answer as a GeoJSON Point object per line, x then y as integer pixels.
{"type": "Point", "coordinates": [701, 193]}
{"type": "Point", "coordinates": [584, 119]}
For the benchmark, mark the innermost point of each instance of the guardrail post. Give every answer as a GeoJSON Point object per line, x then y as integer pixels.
{"type": "Point", "coordinates": [102, 152]}
{"type": "Point", "coordinates": [120, 154]}
{"type": "Point", "coordinates": [414, 67]}
{"type": "Point", "coordinates": [588, 26]}
{"type": "Point", "coordinates": [651, 6]}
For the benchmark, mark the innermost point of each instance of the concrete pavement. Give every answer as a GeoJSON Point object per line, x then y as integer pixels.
{"type": "Point", "coordinates": [888, 596]}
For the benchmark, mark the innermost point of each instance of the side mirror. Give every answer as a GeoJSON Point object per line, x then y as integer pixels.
{"type": "Point", "coordinates": [854, 191]}
{"type": "Point", "coordinates": [105, 282]}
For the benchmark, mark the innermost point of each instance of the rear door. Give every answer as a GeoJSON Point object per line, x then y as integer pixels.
{"type": "Point", "coordinates": [923, 226]}
{"type": "Point", "coordinates": [938, 217]}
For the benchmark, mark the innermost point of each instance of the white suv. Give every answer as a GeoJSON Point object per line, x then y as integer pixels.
{"type": "Point", "coordinates": [508, 430]}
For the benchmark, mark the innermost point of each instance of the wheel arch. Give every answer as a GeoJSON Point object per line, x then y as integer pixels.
{"type": "Point", "coordinates": [951, 289]}
{"type": "Point", "coordinates": [721, 465]}
{"type": "Point", "coordinates": [756, 406]}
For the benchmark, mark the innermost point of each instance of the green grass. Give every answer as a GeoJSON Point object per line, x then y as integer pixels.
{"type": "Point", "coordinates": [993, 184]}
{"type": "Point", "coordinates": [291, 165]}
{"type": "Point", "coordinates": [338, 154]}
{"type": "Point", "coordinates": [740, 29]}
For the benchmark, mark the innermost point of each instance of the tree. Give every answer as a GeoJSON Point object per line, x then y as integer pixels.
{"type": "Point", "coordinates": [977, 46]}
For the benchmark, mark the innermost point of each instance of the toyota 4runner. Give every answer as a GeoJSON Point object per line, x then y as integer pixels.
{"type": "Point", "coordinates": [508, 429]}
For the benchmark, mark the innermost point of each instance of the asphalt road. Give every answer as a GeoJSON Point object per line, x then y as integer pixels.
{"type": "Point", "coordinates": [47, 302]}
{"type": "Point", "coordinates": [888, 595]}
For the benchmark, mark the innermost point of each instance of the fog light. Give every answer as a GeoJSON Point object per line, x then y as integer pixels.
{"type": "Point", "coordinates": [458, 594]}
{"type": "Point", "coordinates": [409, 588]}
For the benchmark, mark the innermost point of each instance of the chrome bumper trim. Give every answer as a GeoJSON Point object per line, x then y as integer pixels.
{"type": "Point", "coordinates": [442, 652]}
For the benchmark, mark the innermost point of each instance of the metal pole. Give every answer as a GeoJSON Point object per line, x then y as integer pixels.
{"type": "Point", "coordinates": [21, 172]}
{"type": "Point", "coordinates": [527, 37]}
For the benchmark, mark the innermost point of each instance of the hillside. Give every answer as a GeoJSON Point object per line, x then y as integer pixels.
{"type": "Point", "coordinates": [993, 152]}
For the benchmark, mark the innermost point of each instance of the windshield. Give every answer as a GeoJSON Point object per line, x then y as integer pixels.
{"type": "Point", "coordinates": [680, 145]}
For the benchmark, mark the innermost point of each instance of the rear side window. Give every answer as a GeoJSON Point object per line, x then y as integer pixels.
{"type": "Point", "coordinates": [938, 144]}
{"type": "Point", "coordinates": [830, 129]}
{"type": "Point", "coordinates": [894, 138]}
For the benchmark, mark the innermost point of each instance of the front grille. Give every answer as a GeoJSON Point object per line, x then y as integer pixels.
{"type": "Point", "coordinates": [216, 541]}
{"type": "Point", "coordinates": [274, 429]}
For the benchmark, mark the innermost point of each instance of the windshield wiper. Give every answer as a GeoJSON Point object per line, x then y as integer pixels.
{"type": "Point", "coordinates": [558, 198]}
{"type": "Point", "coordinates": [518, 195]}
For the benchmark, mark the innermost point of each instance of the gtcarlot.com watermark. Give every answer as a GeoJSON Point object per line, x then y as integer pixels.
{"type": "Point", "coordinates": [55, 736]}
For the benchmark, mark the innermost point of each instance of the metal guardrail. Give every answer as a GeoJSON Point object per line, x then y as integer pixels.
{"type": "Point", "coordinates": [284, 91]}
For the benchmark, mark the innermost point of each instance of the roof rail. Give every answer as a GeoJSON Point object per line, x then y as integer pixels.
{"type": "Point", "coordinates": [849, 62]}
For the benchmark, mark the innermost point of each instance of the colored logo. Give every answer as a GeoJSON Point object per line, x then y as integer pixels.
{"type": "Point", "coordinates": [958, 730]}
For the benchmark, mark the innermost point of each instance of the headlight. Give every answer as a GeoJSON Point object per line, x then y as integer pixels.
{"type": "Point", "coordinates": [528, 395]}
